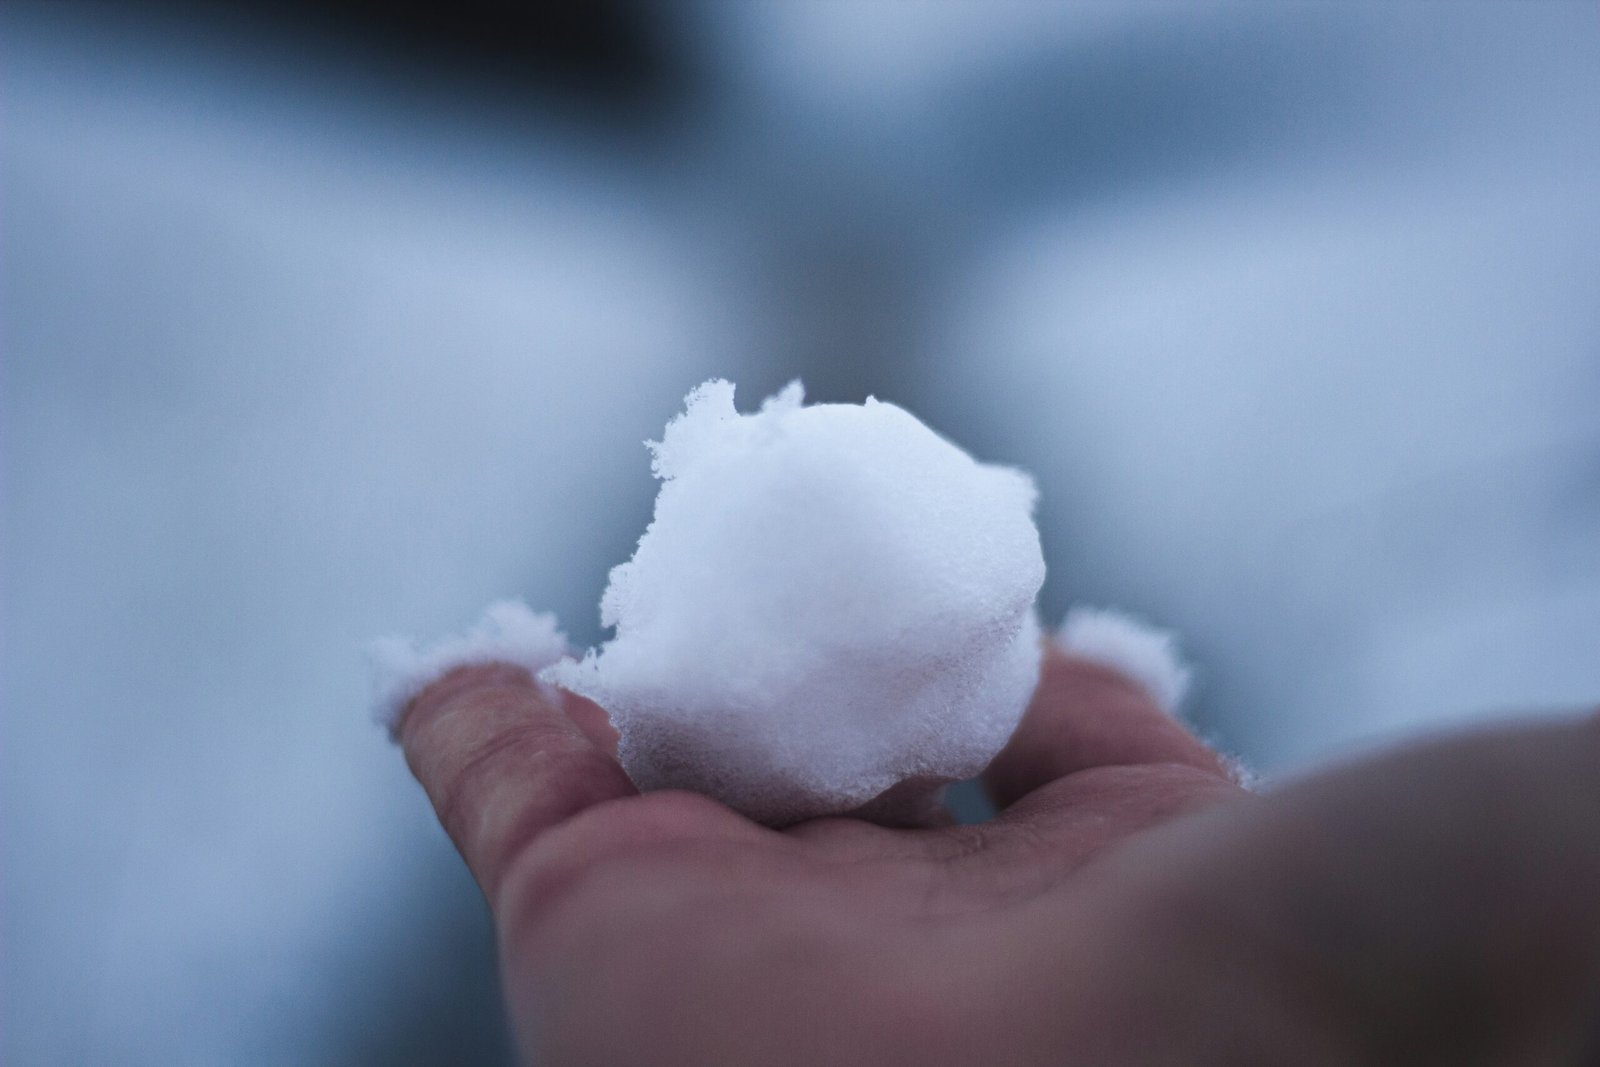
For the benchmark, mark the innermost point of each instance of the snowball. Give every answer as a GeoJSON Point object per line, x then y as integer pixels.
{"type": "Point", "coordinates": [1147, 655]}
{"type": "Point", "coordinates": [830, 600]}
{"type": "Point", "coordinates": [507, 633]}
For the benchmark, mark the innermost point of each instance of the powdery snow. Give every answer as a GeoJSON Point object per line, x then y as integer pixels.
{"type": "Point", "coordinates": [508, 633]}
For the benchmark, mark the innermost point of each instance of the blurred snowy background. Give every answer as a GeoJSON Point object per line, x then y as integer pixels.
{"type": "Point", "coordinates": [324, 321]}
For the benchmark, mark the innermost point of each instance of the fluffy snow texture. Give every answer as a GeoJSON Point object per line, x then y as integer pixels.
{"type": "Point", "coordinates": [507, 633]}
{"type": "Point", "coordinates": [830, 600]}
{"type": "Point", "coordinates": [1147, 655]}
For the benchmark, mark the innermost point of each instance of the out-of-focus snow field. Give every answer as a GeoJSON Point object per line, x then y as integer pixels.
{"type": "Point", "coordinates": [281, 374]}
{"type": "Point", "coordinates": [1295, 317]}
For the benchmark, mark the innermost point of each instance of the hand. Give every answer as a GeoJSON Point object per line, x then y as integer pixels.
{"type": "Point", "coordinates": [1129, 905]}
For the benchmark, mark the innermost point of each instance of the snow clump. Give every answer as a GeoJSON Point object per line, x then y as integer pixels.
{"type": "Point", "coordinates": [831, 600]}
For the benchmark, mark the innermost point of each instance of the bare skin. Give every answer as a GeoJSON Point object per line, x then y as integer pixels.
{"type": "Point", "coordinates": [1130, 905]}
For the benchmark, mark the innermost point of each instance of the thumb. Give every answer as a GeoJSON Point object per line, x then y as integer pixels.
{"type": "Point", "coordinates": [1440, 904]}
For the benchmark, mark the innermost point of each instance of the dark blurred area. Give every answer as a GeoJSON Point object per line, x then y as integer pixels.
{"type": "Point", "coordinates": [611, 62]}
{"type": "Point", "coordinates": [325, 320]}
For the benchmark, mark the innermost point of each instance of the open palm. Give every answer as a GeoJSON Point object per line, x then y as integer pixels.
{"type": "Point", "coordinates": [1130, 904]}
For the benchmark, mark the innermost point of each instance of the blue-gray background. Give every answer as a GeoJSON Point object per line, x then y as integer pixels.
{"type": "Point", "coordinates": [311, 330]}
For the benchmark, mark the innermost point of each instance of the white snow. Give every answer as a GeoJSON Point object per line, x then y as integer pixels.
{"type": "Point", "coordinates": [829, 600]}
{"type": "Point", "coordinates": [508, 633]}
{"type": "Point", "coordinates": [1145, 654]}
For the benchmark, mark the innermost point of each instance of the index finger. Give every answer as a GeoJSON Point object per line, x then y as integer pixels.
{"type": "Point", "coordinates": [503, 760]}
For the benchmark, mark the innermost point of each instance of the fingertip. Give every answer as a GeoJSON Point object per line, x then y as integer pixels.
{"type": "Point", "coordinates": [1138, 651]}
{"type": "Point", "coordinates": [502, 761]}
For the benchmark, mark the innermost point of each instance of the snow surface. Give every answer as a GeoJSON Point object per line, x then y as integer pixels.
{"type": "Point", "coordinates": [830, 600]}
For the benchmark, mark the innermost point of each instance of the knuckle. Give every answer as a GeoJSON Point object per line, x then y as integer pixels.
{"type": "Point", "coordinates": [461, 789]}
{"type": "Point", "coordinates": [606, 844]}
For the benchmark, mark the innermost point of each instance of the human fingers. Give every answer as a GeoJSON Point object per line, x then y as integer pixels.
{"type": "Point", "coordinates": [1083, 715]}
{"type": "Point", "coordinates": [503, 761]}
{"type": "Point", "coordinates": [589, 717]}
